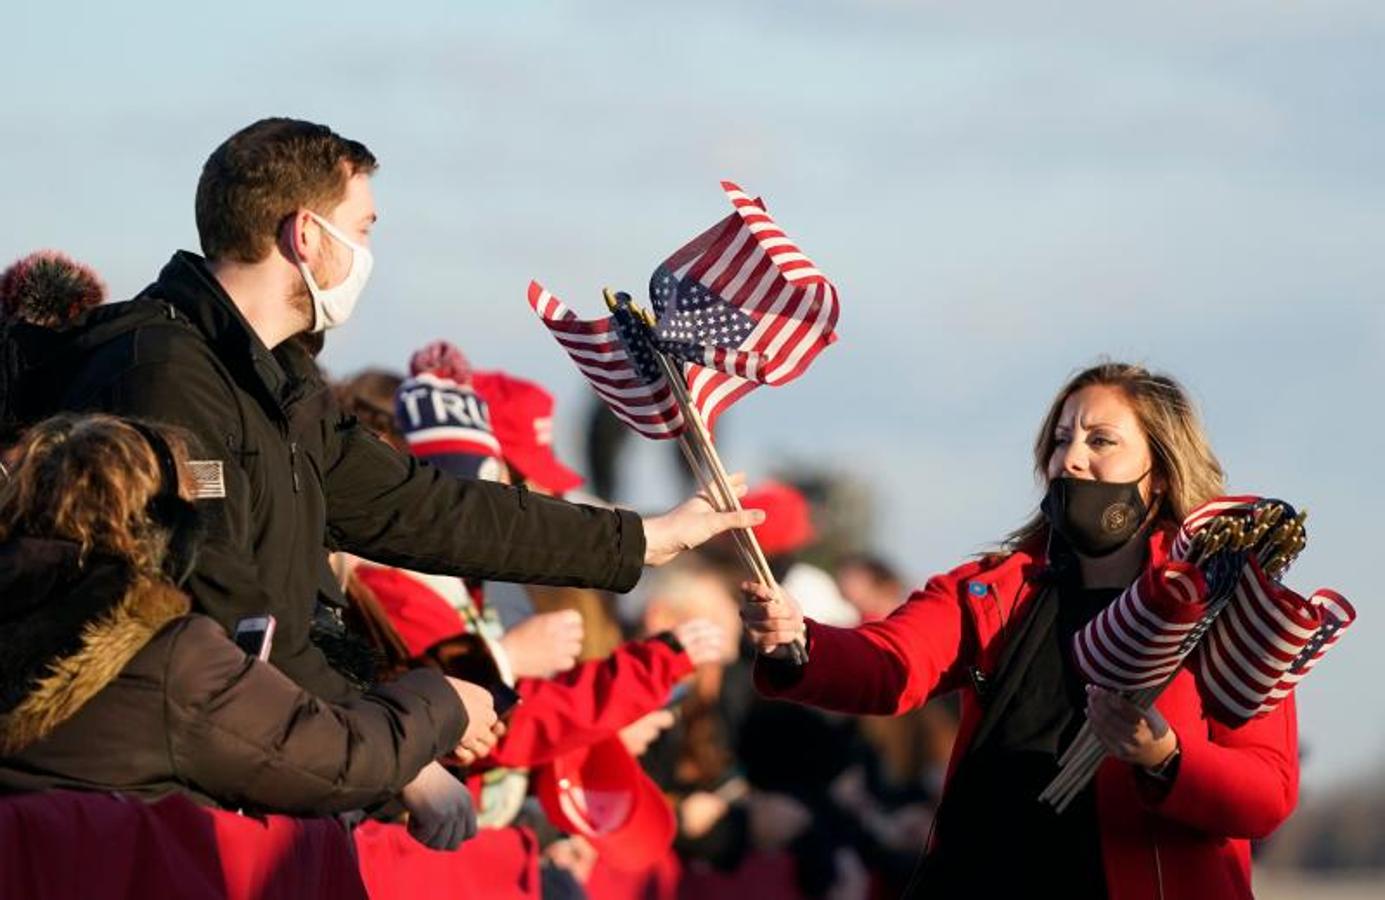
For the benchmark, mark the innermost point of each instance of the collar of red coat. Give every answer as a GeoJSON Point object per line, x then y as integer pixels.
{"type": "Point", "coordinates": [1029, 561]}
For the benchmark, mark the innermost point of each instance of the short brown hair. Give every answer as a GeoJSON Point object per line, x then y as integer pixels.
{"type": "Point", "coordinates": [1181, 453]}
{"type": "Point", "coordinates": [264, 173]}
{"type": "Point", "coordinates": [89, 479]}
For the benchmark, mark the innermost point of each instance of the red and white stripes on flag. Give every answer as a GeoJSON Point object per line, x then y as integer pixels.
{"type": "Point", "coordinates": [749, 263]}
{"type": "Point", "coordinates": [1251, 646]}
{"type": "Point", "coordinates": [1246, 655]}
{"type": "Point", "coordinates": [712, 392]}
{"type": "Point", "coordinates": [738, 306]}
{"type": "Point", "coordinates": [1265, 641]}
{"type": "Point", "coordinates": [742, 305]}
{"type": "Point", "coordinates": [1143, 636]}
{"type": "Point", "coordinates": [1335, 616]}
{"type": "Point", "coordinates": [645, 404]}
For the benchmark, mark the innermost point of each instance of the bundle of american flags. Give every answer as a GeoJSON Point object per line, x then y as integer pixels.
{"type": "Point", "coordinates": [1218, 607]}
{"type": "Point", "coordinates": [738, 306]}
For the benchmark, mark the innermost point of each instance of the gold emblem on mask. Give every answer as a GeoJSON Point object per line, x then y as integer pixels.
{"type": "Point", "coordinates": [1116, 517]}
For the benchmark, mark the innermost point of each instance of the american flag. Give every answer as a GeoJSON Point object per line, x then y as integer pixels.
{"type": "Point", "coordinates": [1264, 643]}
{"type": "Point", "coordinates": [742, 300]}
{"type": "Point", "coordinates": [741, 305]}
{"type": "Point", "coordinates": [614, 355]}
{"type": "Point", "coordinates": [738, 306]}
{"type": "Point", "coordinates": [1142, 637]}
{"type": "Point", "coordinates": [1251, 646]}
{"type": "Point", "coordinates": [1245, 637]}
{"type": "Point", "coordinates": [1246, 653]}
{"type": "Point", "coordinates": [1335, 615]}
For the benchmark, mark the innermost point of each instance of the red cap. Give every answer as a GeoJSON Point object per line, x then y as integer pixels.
{"type": "Point", "coordinates": [601, 793]}
{"type": "Point", "coordinates": [522, 418]}
{"type": "Point", "coordinates": [788, 524]}
{"type": "Point", "coordinates": [415, 609]}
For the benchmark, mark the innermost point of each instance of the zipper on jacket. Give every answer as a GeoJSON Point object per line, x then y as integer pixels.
{"type": "Point", "coordinates": [293, 463]}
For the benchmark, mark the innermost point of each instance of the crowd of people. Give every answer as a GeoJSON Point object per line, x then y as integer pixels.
{"type": "Point", "coordinates": [381, 600]}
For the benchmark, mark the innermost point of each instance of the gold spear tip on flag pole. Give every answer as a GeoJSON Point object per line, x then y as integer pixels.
{"type": "Point", "coordinates": [615, 298]}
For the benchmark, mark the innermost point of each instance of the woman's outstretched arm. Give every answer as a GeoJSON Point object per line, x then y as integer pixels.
{"type": "Point", "coordinates": [881, 668]}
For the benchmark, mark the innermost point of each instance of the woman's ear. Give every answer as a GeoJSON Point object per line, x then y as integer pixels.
{"type": "Point", "coordinates": [1158, 487]}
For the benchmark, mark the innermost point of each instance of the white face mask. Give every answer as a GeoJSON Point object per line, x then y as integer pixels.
{"type": "Point", "coordinates": [333, 306]}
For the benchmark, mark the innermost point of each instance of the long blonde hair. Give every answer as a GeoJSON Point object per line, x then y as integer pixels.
{"type": "Point", "coordinates": [1182, 456]}
{"type": "Point", "coordinates": [89, 479]}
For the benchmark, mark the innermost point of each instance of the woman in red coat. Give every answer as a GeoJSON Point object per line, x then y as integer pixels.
{"type": "Point", "coordinates": [1172, 811]}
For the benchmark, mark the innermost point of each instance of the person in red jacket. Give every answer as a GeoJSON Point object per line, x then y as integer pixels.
{"type": "Point", "coordinates": [565, 706]}
{"type": "Point", "coordinates": [1172, 811]}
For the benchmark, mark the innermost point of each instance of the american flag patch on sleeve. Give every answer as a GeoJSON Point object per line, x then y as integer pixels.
{"type": "Point", "coordinates": [209, 479]}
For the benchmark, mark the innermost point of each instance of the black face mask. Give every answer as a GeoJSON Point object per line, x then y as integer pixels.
{"type": "Point", "coordinates": [1096, 518]}
{"type": "Point", "coordinates": [168, 510]}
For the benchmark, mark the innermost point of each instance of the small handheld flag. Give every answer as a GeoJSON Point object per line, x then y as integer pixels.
{"type": "Point", "coordinates": [738, 306]}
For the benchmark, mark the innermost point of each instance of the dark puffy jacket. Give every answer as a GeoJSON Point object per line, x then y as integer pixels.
{"type": "Point", "coordinates": [284, 473]}
{"type": "Point", "coordinates": [106, 683]}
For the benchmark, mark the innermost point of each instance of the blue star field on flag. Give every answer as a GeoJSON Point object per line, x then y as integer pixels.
{"type": "Point", "coordinates": [691, 317]}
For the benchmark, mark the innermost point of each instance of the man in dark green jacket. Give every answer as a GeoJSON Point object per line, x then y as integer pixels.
{"type": "Point", "coordinates": [284, 210]}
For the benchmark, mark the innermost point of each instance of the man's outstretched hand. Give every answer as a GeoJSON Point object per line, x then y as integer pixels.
{"type": "Point", "coordinates": [692, 523]}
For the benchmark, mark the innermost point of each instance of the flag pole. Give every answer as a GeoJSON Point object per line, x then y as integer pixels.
{"type": "Point", "coordinates": [699, 451]}
{"type": "Point", "coordinates": [701, 441]}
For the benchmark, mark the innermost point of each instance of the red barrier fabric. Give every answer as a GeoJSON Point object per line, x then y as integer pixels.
{"type": "Point", "coordinates": [497, 864]}
{"type": "Point", "coordinates": [69, 845]}
{"type": "Point", "coordinates": [658, 881]}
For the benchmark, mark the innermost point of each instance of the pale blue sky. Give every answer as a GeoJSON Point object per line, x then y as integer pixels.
{"type": "Point", "coordinates": [1002, 193]}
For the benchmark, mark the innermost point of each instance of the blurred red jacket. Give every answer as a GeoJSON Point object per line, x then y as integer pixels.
{"type": "Point", "coordinates": [574, 709]}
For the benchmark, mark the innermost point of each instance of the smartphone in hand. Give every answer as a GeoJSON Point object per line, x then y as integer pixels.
{"type": "Point", "coordinates": [255, 635]}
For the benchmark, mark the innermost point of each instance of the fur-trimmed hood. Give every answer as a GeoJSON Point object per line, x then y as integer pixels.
{"type": "Point", "coordinates": [67, 629]}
